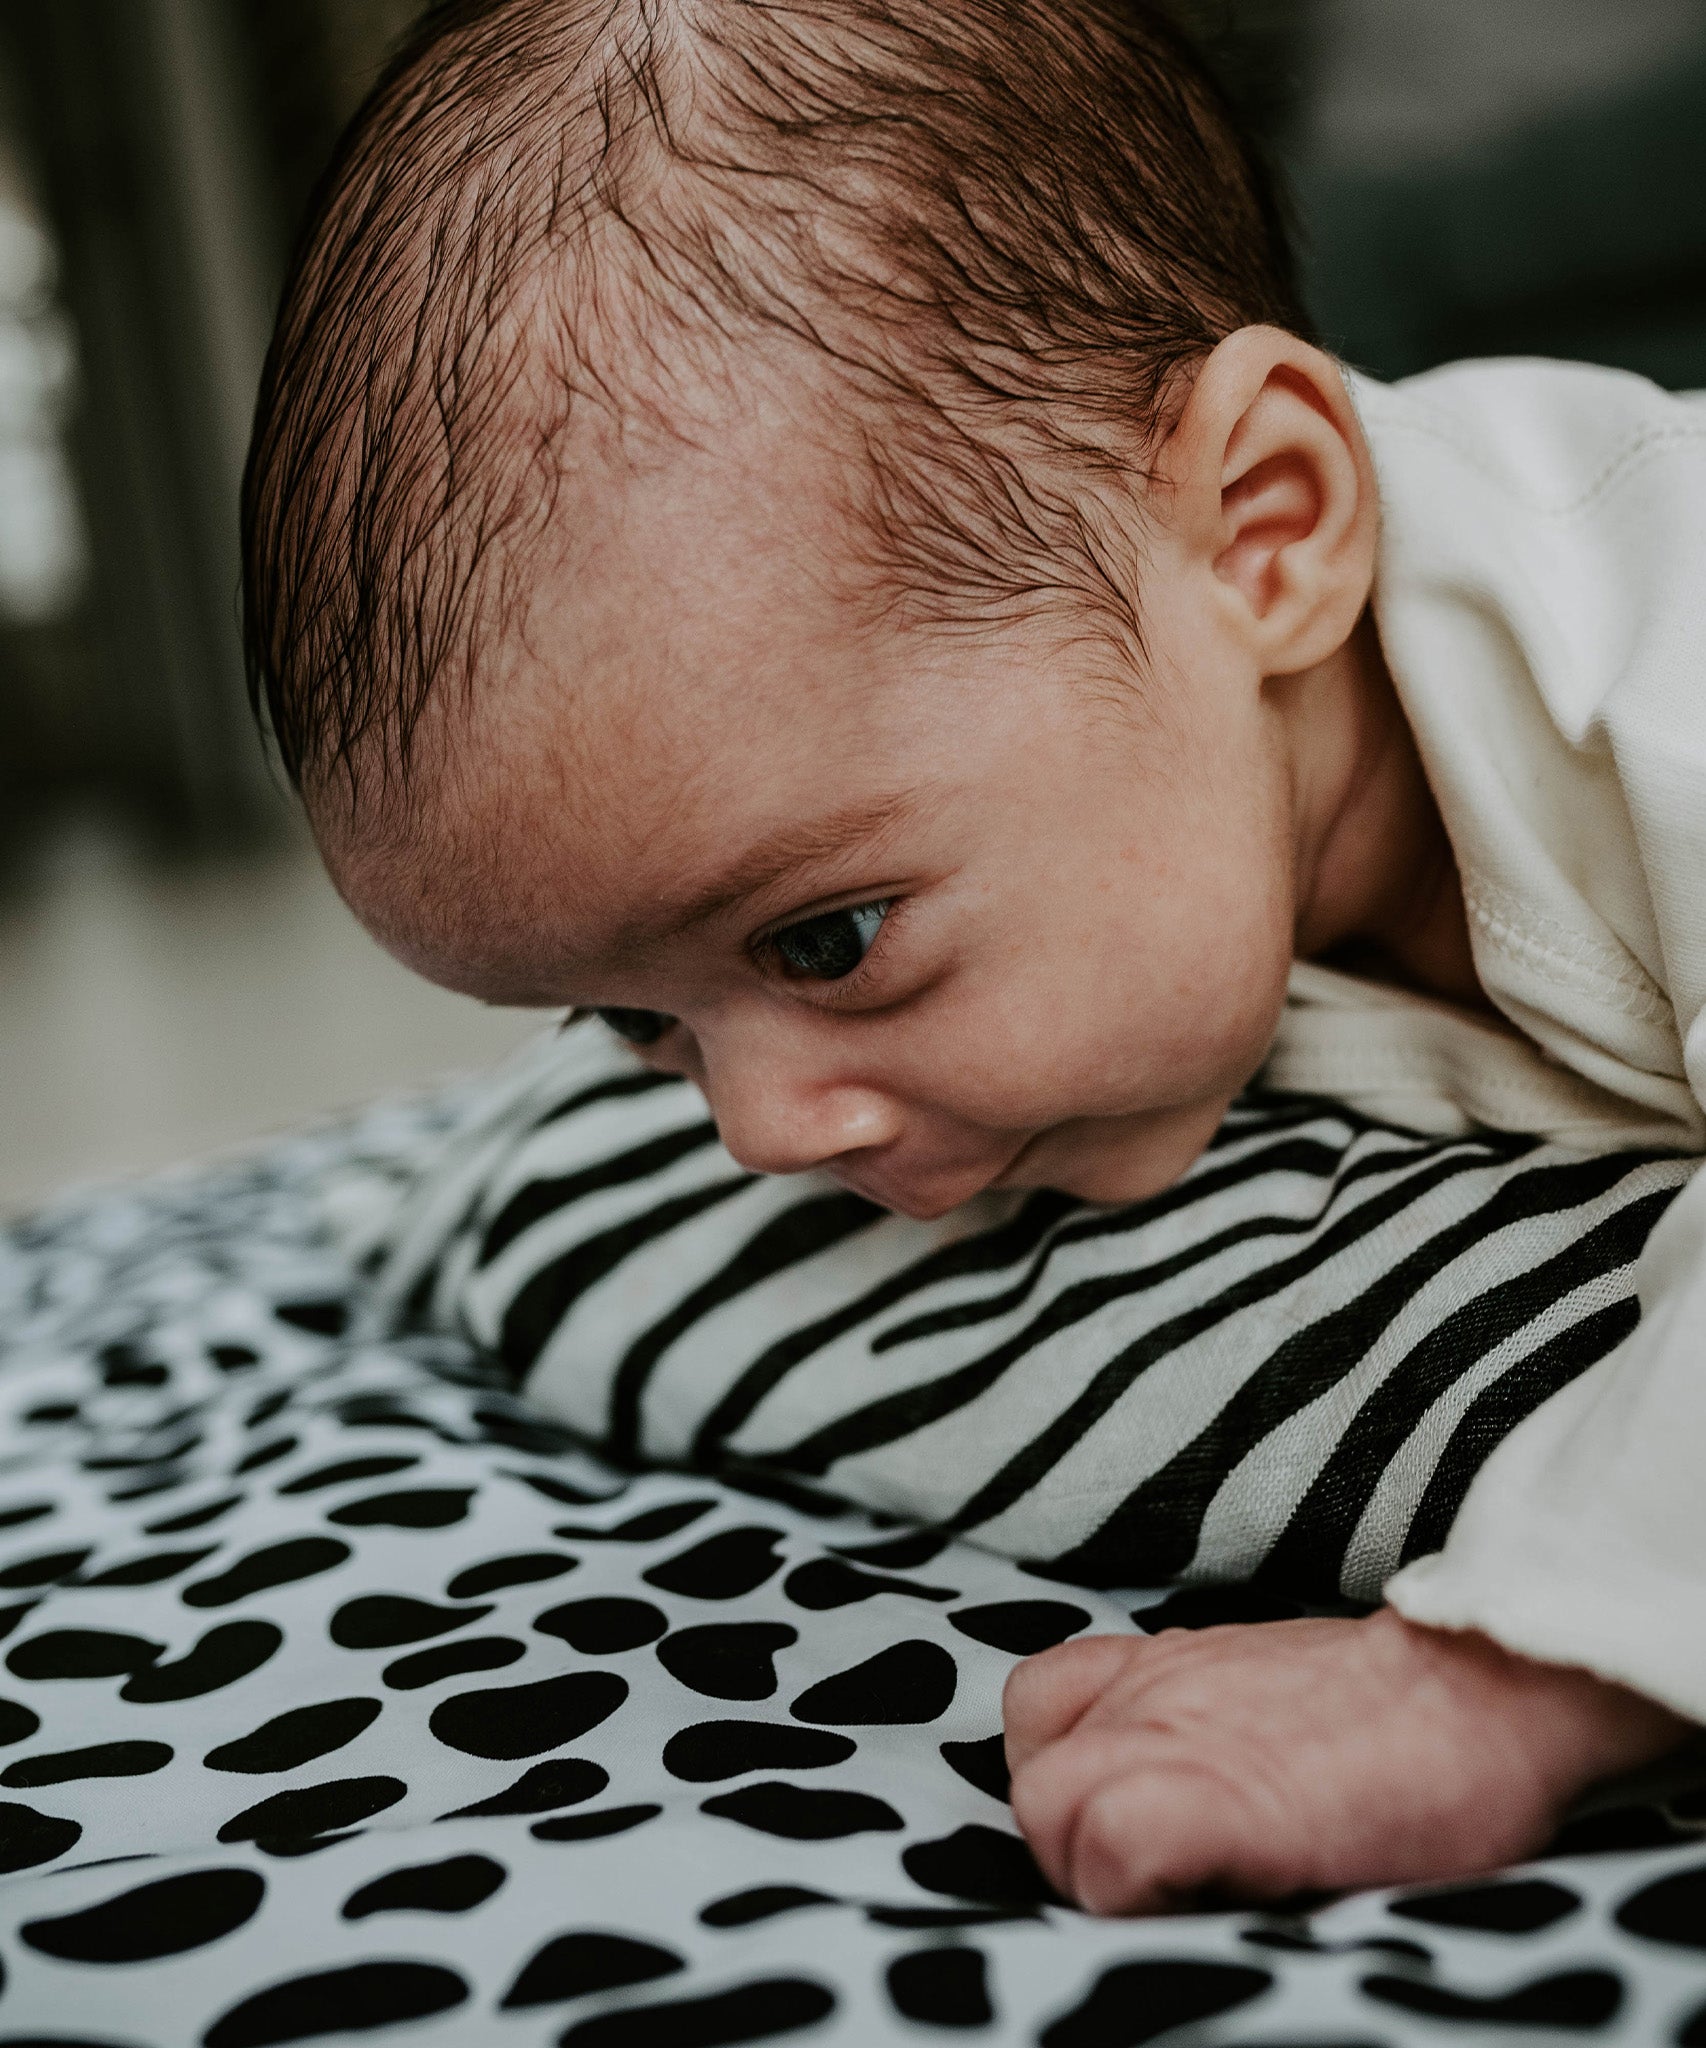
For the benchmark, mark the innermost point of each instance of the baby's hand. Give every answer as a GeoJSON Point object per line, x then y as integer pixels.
{"type": "Point", "coordinates": [1154, 1772]}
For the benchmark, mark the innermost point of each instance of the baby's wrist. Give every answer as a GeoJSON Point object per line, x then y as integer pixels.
{"type": "Point", "coordinates": [1569, 1726]}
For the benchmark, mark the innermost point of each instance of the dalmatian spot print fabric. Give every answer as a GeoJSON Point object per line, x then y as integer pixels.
{"type": "Point", "coordinates": [343, 1697]}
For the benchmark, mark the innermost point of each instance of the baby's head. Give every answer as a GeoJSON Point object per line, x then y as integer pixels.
{"type": "Point", "coordinates": [811, 525]}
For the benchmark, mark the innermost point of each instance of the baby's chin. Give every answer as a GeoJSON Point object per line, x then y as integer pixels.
{"type": "Point", "coordinates": [1117, 1159]}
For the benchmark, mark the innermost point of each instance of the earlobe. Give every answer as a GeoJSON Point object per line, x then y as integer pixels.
{"type": "Point", "coordinates": [1276, 495]}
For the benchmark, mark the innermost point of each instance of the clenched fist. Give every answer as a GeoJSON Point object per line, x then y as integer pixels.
{"type": "Point", "coordinates": [1151, 1773]}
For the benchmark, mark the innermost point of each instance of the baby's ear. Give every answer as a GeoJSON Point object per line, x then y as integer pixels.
{"type": "Point", "coordinates": [1273, 490]}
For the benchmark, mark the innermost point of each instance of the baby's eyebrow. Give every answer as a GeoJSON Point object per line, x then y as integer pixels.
{"type": "Point", "coordinates": [781, 853]}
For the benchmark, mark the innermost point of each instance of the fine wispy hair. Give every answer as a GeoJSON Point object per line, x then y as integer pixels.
{"type": "Point", "coordinates": [1002, 227]}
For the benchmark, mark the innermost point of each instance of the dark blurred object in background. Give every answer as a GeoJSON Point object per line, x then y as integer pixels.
{"type": "Point", "coordinates": [1487, 177]}
{"type": "Point", "coordinates": [165, 147]}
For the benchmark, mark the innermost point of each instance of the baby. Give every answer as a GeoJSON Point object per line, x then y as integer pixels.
{"type": "Point", "coordinates": [814, 527]}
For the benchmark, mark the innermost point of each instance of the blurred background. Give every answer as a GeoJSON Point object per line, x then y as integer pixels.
{"type": "Point", "coordinates": [1471, 176]}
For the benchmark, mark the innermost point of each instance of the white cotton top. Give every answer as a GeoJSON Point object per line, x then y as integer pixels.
{"type": "Point", "coordinates": [1541, 600]}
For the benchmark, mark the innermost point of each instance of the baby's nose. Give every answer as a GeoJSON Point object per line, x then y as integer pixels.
{"type": "Point", "coordinates": [769, 1126]}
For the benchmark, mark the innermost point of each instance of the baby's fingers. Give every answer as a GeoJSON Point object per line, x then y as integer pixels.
{"type": "Point", "coordinates": [1141, 1837]}
{"type": "Point", "coordinates": [1047, 1695]}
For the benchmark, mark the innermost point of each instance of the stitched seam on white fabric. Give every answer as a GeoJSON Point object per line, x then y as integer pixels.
{"type": "Point", "coordinates": [1553, 949]}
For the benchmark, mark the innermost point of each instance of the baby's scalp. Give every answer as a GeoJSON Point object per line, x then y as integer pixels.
{"type": "Point", "coordinates": [992, 235]}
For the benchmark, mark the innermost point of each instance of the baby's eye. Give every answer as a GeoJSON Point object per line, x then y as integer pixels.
{"type": "Point", "coordinates": [830, 946]}
{"type": "Point", "coordinates": [638, 1027]}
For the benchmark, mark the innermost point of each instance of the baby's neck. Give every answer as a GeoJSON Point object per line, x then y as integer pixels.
{"type": "Point", "coordinates": [1379, 889]}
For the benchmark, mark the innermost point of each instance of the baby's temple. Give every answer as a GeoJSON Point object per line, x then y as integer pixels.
{"type": "Point", "coordinates": [946, 1056]}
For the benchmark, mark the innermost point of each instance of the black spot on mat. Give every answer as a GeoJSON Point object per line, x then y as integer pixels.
{"type": "Point", "coordinates": [52, 1411]}
{"type": "Point", "coordinates": [650, 1526]}
{"type": "Point", "coordinates": [386, 1411]}
{"type": "Point", "coordinates": [592, 1827]}
{"type": "Point", "coordinates": [1615, 1830]}
{"type": "Point", "coordinates": [521, 1432]}
{"type": "Point", "coordinates": [906, 1683]}
{"type": "Point", "coordinates": [296, 1737]}
{"type": "Point", "coordinates": [81, 1653]}
{"type": "Point", "coordinates": [724, 1749]}
{"type": "Point", "coordinates": [380, 1621]}
{"type": "Point", "coordinates": [159, 1474]}
{"type": "Point", "coordinates": [195, 1518]}
{"type": "Point", "coordinates": [17, 1722]}
{"type": "Point", "coordinates": [1673, 1910]}
{"type": "Point", "coordinates": [723, 1567]}
{"type": "Point", "coordinates": [1022, 1626]}
{"type": "Point", "coordinates": [600, 1627]}
{"type": "Point", "coordinates": [233, 1357]}
{"type": "Point", "coordinates": [982, 1763]}
{"type": "Point", "coordinates": [165, 1918]}
{"type": "Point", "coordinates": [756, 2011]}
{"type": "Point", "coordinates": [1580, 2000]}
{"type": "Point", "coordinates": [897, 1553]}
{"type": "Point", "coordinates": [350, 2000]}
{"type": "Point", "coordinates": [941, 1987]}
{"type": "Point", "coordinates": [11, 1616]}
{"type": "Point", "coordinates": [1519, 1906]}
{"type": "Point", "coordinates": [325, 1318]}
{"type": "Point", "coordinates": [297, 1846]}
{"type": "Point", "coordinates": [1134, 2002]}
{"type": "Point", "coordinates": [122, 1366]}
{"type": "Point", "coordinates": [31, 1511]}
{"type": "Point", "coordinates": [496, 1573]}
{"type": "Point", "coordinates": [727, 1660]}
{"type": "Point", "coordinates": [269, 1405]}
{"type": "Point", "coordinates": [521, 1720]}
{"type": "Point", "coordinates": [313, 1809]}
{"type": "Point", "coordinates": [46, 1570]}
{"type": "Point", "coordinates": [985, 1864]}
{"type": "Point", "coordinates": [564, 1493]}
{"type": "Point", "coordinates": [1298, 1940]}
{"type": "Point", "coordinates": [150, 1570]}
{"type": "Point", "coordinates": [265, 1454]}
{"type": "Point", "coordinates": [274, 1564]}
{"type": "Point", "coordinates": [224, 1655]}
{"type": "Point", "coordinates": [929, 1919]}
{"type": "Point", "coordinates": [762, 1902]}
{"type": "Point", "coordinates": [827, 1582]}
{"type": "Point", "coordinates": [575, 1965]}
{"type": "Point", "coordinates": [453, 1660]}
{"type": "Point", "coordinates": [457, 1885]}
{"type": "Point", "coordinates": [349, 1468]}
{"type": "Point", "coordinates": [99, 1760]}
{"type": "Point", "coordinates": [786, 1491]}
{"type": "Point", "coordinates": [562, 1781]}
{"type": "Point", "coordinates": [1215, 1607]}
{"type": "Point", "coordinates": [804, 1813]}
{"type": "Point", "coordinates": [28, 1838]}
{"type": "Point", "coordinates": [423, 1507]}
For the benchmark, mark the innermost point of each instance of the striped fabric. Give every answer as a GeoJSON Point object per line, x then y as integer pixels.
{"type": "Point", "coordinates": [1288, 1367]}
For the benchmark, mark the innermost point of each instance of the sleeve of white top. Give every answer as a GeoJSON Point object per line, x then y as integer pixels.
{"type": "Point", "coordinates": [1583, 1539]}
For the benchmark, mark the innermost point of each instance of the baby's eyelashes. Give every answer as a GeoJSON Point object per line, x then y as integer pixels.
{"type": "Point", "coordinates": [829, 946]}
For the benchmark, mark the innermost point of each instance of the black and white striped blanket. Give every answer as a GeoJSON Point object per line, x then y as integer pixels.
{"type": "Point", "coordinates": [1287, 1368]}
